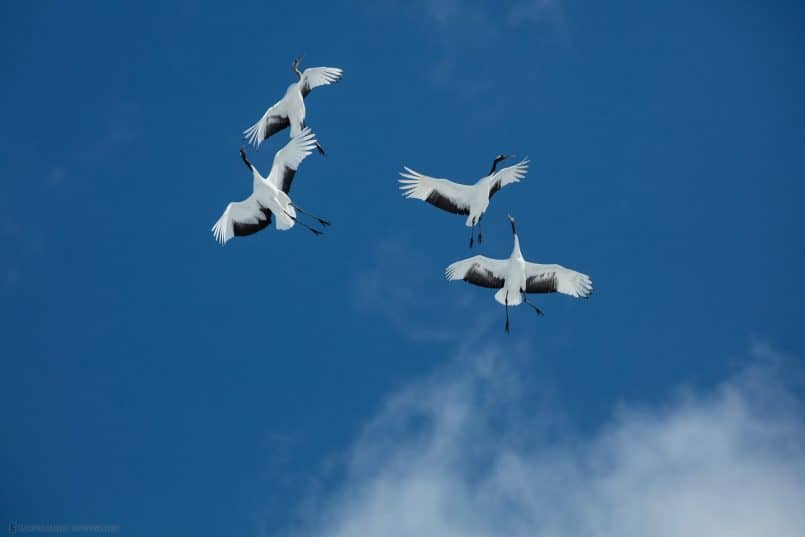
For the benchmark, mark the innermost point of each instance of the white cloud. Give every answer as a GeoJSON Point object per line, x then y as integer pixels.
{"type": "Point", "coordinates": [457, 455]}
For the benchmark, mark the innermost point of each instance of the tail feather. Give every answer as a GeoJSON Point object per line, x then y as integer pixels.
{"type": "Point", "coordinates": [514, 298]}
{"type": "Point", "coordinates": [285, 218]}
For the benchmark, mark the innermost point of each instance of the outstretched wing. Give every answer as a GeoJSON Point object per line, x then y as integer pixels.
{"type": "Point", "coordinates": [241, 218]}
{"type": "Point", "coordinates": [314, 77]}
{"type": "Point", "coordinates": [479, 270]}
{"type": "Point", "coordinates": [288, 159]}
{"type": "Point", "coordinates": [557, 279]}
{"type": "Point", "coordinates": [508, 175]}
{"type": "Point", "coordinates": [274, 120]}
{"type": "Point", "coordinates": [442, 193]}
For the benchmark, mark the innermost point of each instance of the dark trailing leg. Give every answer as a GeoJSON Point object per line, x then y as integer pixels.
{"type": "Point", "coordinates": [321, 220]}
{"type": "Point", "coordinates": [312, 229]}
{"type": "Point", "coordinates": [525, 299]}
{"type": "Point", "coordinates": [507, 312]}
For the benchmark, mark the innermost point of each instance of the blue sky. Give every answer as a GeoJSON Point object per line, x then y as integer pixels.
{"type": "Point", "coordinates": [158, 381]}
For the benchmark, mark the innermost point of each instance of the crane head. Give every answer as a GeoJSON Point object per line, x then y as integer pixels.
{"type": "Point", "coordinates": [495, 163]}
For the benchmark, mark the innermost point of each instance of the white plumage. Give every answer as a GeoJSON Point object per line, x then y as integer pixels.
{"type": "Point", "coordinates": [290, 110]}
{"type": "Point", "coordinates": [470, 200]}
{"type": "Point", "coordinates": [269, 197]}
{"type": "Point", "coordinates": [514, 277]}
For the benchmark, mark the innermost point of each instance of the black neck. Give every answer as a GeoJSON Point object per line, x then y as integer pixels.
{"type": "Point", "coordinates": [245, 160]}
{"type": "Point", "coordinates": [494, 165]}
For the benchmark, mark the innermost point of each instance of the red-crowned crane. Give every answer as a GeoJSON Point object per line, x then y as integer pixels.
{"type": "Point", "coordinates": [471, 200]}
{"type": "Point", "coordinates": [269, 197]}
{"type": "Point", "coordinates": [515, 277]}
{"type": "Point", "coordinates": [290, 110]}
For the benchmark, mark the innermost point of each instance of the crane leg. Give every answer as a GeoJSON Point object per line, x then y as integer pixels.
{"type": "Point", "coordinates": [480, 232]}
{"type": "Point", "coordinates": [320, 149]}
{"type": "Point", "coordinates": [525, 299]}
{"type": "Point", "coordinates": [507, 312]}
{"type": "Point", "coordinates": [322, 221]}
{"type": "Point", "coordinates": [312, 229]}
{"type": "Point", "coordinates": [472, 233]}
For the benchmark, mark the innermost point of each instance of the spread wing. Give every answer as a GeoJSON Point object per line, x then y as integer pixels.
{"type": "Point", "coordinates": [479, 270]}
{"type": "Point", "coordinates": [241, 218]}
{"type": "Point", "coordinates": [274, 120]}
{"type": "Point", "coordinates": [314, 77]}
{"type": "Point", "coordinates": [288, 159]}
{"type": "Point", "coordinates": [507, 176]}
{"type": "Point", "coordinates": [442, 193]}
{"type": "Point", "coordinates": [557, 279]}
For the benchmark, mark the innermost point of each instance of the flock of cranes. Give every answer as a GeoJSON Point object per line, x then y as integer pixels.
{"type": "Point", "coordinates": [514, 277]}
{"type": "Point", "coordinates": [269, 198]}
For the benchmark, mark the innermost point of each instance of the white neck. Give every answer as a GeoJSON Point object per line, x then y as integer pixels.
{"type": "Point", "coordinates": [516, 250]}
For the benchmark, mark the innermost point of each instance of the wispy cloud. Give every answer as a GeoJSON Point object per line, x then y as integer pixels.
{"type": "Point", "coordinates": [461, 30]}
{"type": "Point", "coordinates": [27, 239]}
{"type": "Point", "coordinates": [550, 13]}
{"type": "Point", "coordinates": [403, 287]}
{"type": "Point", "coordinates": [529, 11]}
{"type": "Point", "coordinates": [456, 455]}
{"type": "Point", "coordinates": [447, 11]}
{"type": "Point", "coordinates": [24, 242]}
{"type": "Point", "coordinates": [118, 130]}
